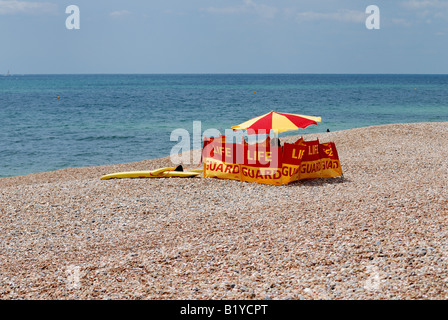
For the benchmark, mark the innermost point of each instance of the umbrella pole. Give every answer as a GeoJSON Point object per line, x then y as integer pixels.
{"type": "Point", "coordinates": [275, 136]}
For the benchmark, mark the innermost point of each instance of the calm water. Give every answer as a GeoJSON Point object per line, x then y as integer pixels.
{"type": "Point", "coordinates": [107, 119]}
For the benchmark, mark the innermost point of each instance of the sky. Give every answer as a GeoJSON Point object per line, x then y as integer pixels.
{"type": "Point", "coordinates": [224, 36]}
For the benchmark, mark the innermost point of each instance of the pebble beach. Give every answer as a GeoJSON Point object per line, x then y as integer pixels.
{"type": "Point", "coordinates": [378, 232]}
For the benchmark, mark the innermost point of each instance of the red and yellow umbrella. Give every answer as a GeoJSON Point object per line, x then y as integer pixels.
{"type": "Point", "coordinates": [278, 122]}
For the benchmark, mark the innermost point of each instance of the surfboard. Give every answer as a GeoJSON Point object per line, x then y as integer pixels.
{"type": "Point", "coordinates": [159, 173]}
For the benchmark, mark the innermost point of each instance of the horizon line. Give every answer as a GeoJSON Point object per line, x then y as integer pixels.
{"type": "Point", "coordinates": [228, 73]}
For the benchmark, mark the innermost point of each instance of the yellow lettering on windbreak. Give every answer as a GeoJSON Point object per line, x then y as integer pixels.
{"type": "Point", "coordinates": [299, 155]}
{"type": "Point", "coordinates": [314, 149]}
{"type": "Point", "coordinates": [259, 156]}
{"type": "Point", "coordinates": [249, 156]}
{"type": "Point", "coordinates": [329, 152]}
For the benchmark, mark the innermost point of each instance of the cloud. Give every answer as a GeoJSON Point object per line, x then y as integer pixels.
{"type": "Point", "coordinates": [248, 7]}
{"type": "Point", "coordinates": [401, 22]}
{"type": "Point", "coordinates": [177, 13]}
{"type": "Point", "coordinates": [425, 4]}
{"type": "Point", "coordinates": [427, 9]}
{"type": "Point", "coordinates": [342, 15]}
{"type": "Point", "coordinates": [120, 13]}
{"type": "Point", "coordinates": [15, 7]}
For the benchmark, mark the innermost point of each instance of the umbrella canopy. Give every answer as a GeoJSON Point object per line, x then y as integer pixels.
{"type": "Point", "coordinates": [279, 122]}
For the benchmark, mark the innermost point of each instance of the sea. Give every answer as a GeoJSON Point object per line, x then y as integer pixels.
{"type": "Point", "coordinates": [51, 122]}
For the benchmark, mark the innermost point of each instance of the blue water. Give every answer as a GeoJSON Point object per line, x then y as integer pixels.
{"type": "Point", "coordinates": [108, 119]}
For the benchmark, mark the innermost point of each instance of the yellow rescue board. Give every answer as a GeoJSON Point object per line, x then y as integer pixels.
{"type": "Point", "coordinates": [159, 173]}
